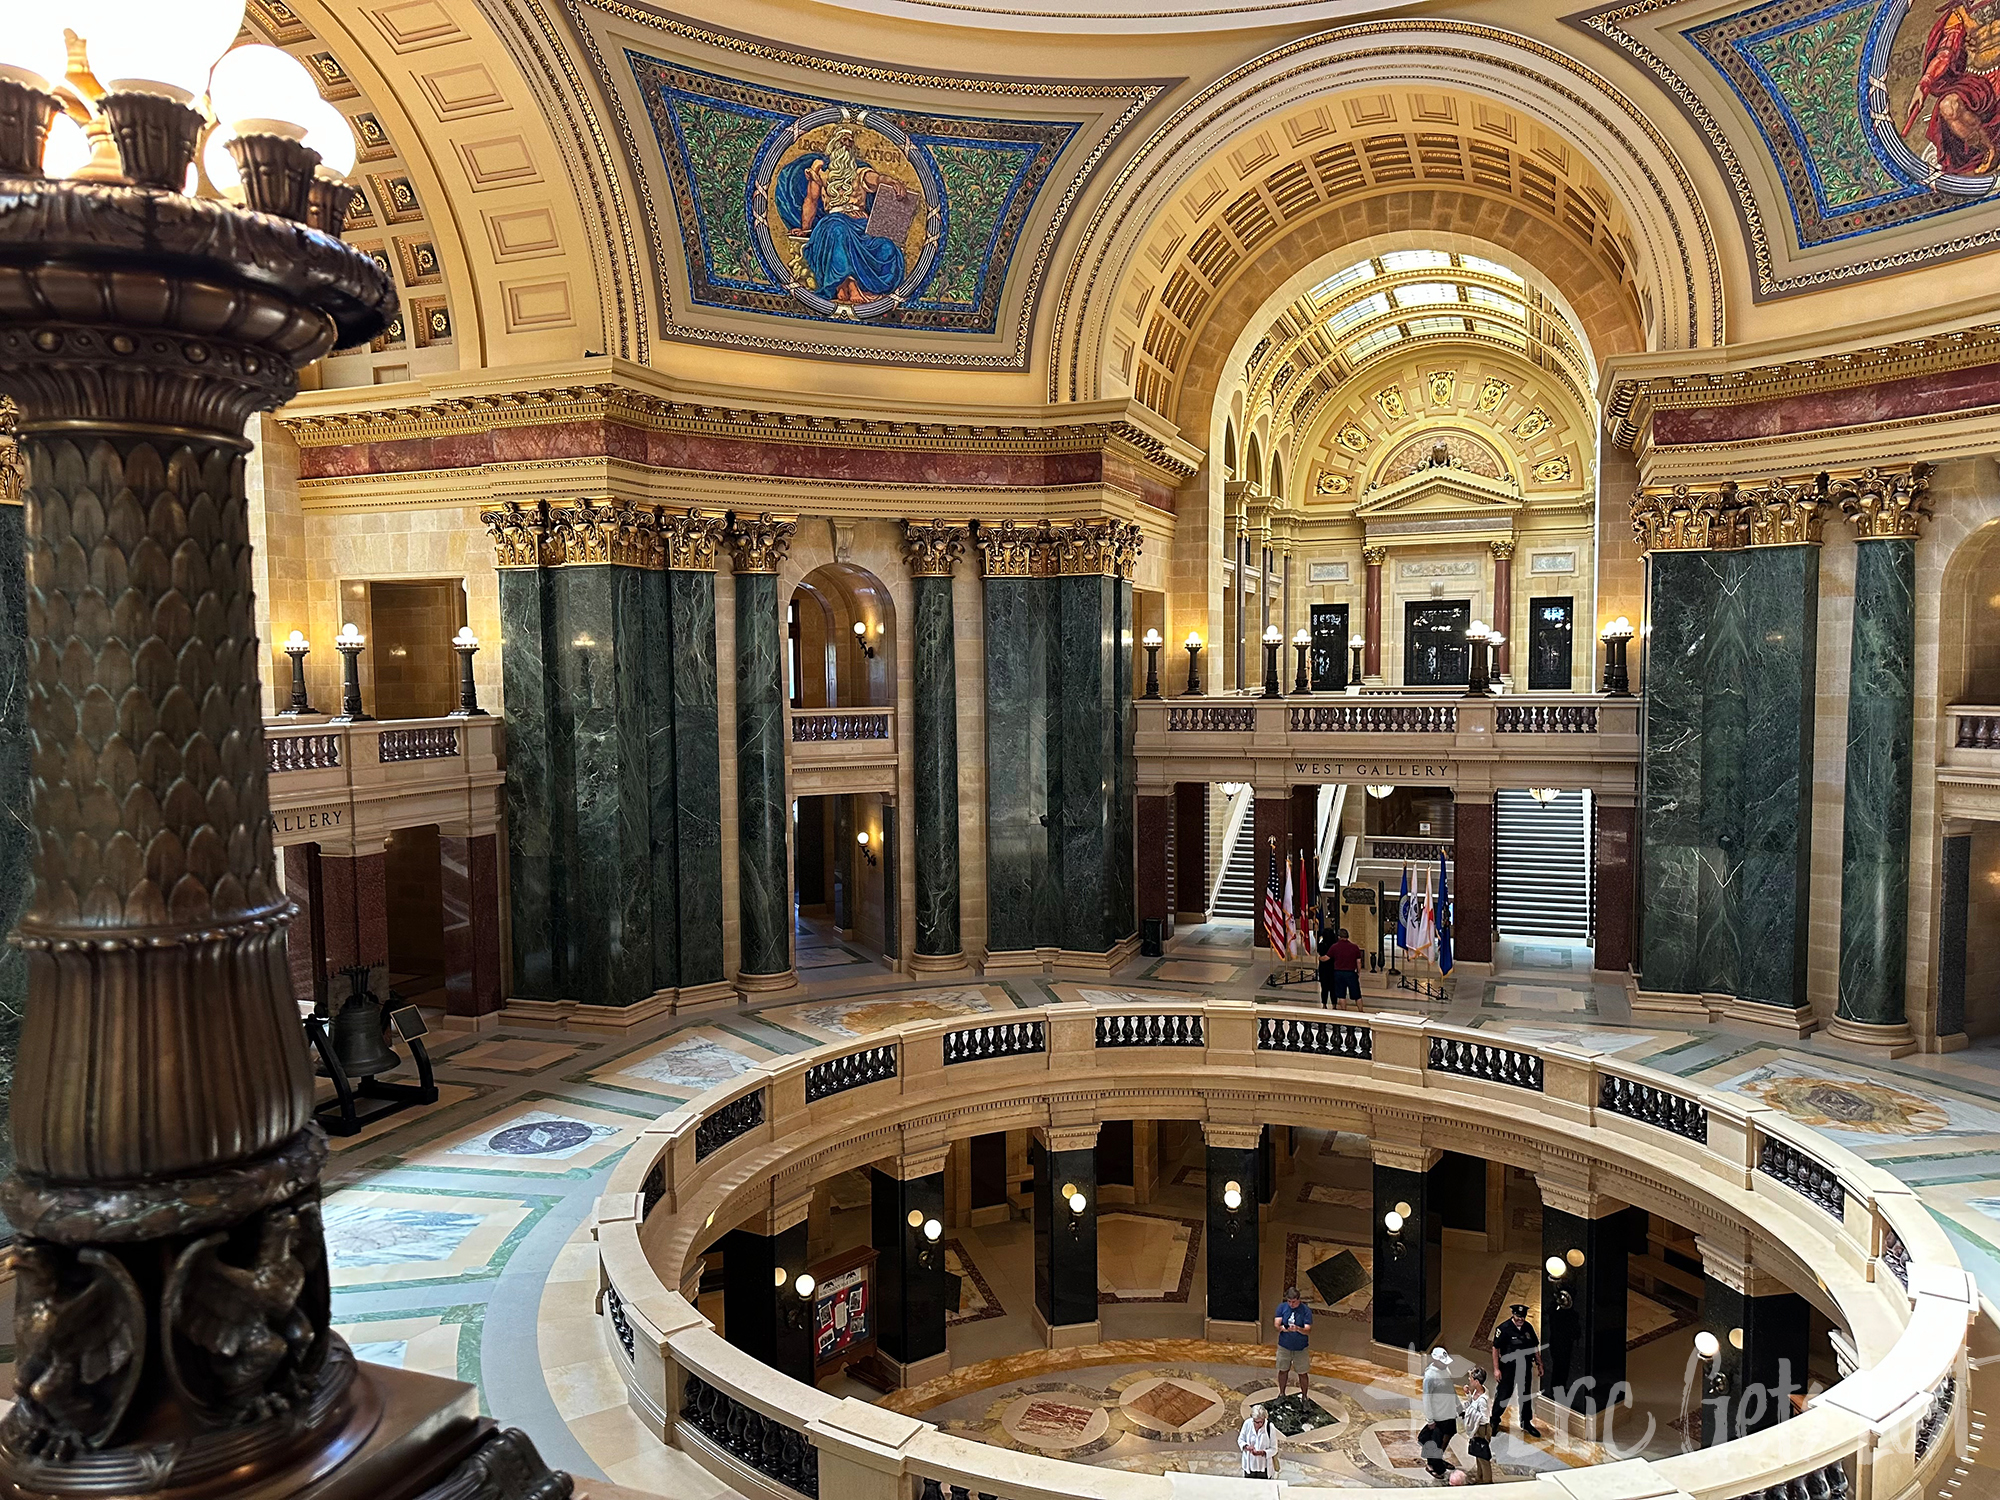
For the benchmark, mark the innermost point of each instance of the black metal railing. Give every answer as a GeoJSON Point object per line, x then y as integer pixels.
{"type": "Point", "coordinates": [614, 1305]}
{"type": "Point", "coordinates": [302, 752]}
{"type": "Point", "coordinates": [1319, 1038]}
{"type": "Point", "coordinates": [937, 1489]}
{"type": "Point", "coordinates": [1896, 1256]}
{"type": "Point", "coordinates": [838, 1075]}
{"type": "Point", "coordinates": [652, 1190]}
{"type": "Point", "coordinates": [1810, 1178]}
{"type": "Point", "coordinates": [1651, 1106]}
{"type": "Point", "coordinates": [1828, 1482]}
{"type": "Point", "coordinates": [1001, 1039]}
{"type": "Point", "coordinates": [727, 1123]}
{"type": "Point", "coordinates": [1149, 1031]}
{"type": "Point", "coordinates": [1410, 849]}
{"type": "Point", "coordinates": [1374, 718]}
{"type": "Point", "coordinates": [418, 744]}
{"type": "Point", "coordinates": [765, 1444]}
{"type": "Point", "coordinates": [1938, 1418]}
{"type": "Point", "coordinates": [1228, 717]}
{"type": "Point", "coordinates": [1521, 1070]}
{"type": "Point", "coordinates": [815, 728]}
{"type": "Point", "coordinates": [1545, 718]}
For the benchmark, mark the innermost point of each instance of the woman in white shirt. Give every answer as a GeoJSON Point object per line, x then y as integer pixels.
{"type": "Point", "coordinates": [1476, 1414]}
{"type": "Point", "coordinates": [1259, 1442]}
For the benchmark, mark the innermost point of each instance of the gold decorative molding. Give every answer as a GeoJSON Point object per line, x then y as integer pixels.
{"type": "Point", "coordinates": [1882, 503]}
{"type": "Point", "coordinates": [1502, 551]}
{"type": "Point", "coordinates": [1374, 557]}
{"type": "Point", "coordinates": [1784, 515]}
{"type": "Point", "coordinates": [13, 464]}
{"type": "Point", "coordinates": [523, 535]}
{"type": "Point", "coordinates": [690, 541]}
{"type": "Point", "coordinates": [1010, 551]}
{"type": "Point", "coordinates": [611, 531]}
{"type": "Point", "coordinates": [1105, 548]}
{"type": "Point", "coordinates": [758, 544]}
{"type": "Point", "coordinates": [1685, 520]}
{"type": "Point", "coordinates": [932, 548]}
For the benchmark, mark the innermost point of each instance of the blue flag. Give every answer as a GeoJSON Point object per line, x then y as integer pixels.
{"type": "Point", "coordinates": [1443, 920]}
{"type": "Point", "coordinates": [1403, 912]}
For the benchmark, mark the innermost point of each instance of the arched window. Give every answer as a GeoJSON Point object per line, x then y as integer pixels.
{"type": "Point", "coordinates": [1229, 450]}
{"type": "Point", "coordinates": [1253, 470]}
{"type": "Point", "coordinates": [1277, 475]}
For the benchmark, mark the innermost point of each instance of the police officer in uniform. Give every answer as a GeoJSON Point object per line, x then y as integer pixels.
{"type": "Point", "coordinates": [1515, 1348]}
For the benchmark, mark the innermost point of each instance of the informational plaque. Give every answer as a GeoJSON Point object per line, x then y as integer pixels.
{"type": "Point", "coordinates": [844, 1309]}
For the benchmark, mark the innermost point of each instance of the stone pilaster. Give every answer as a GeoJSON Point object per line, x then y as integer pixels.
{"type": "Point", "coordinates": [1954, 912]}
{"type": "Point", "coordinates": [758, 546]}
{"type": "Point", "coordinates": [909, 1271]}
{"type": "Point", "coordinates": [932, 550]}
{"type": "Point", "coordinates": [1372, 559]}
{"type": "Point", "coordinates": [1584, 1309]}
{"type": "Point", "coordinates": [1887, 511]}
{"type": "Point", "coordinates": [1065, 1161]}
{"type": "Point", "coordinates": [1409, 1250]}
{"type": "Point", "coordinates": [762, 1312]}
{"type": "Point", "coordinates": [1763, 1335]}
{"type": "Point", "coordinates": [1235, 1299]}
{"type": "Point", "coordinates": [1503, 605]}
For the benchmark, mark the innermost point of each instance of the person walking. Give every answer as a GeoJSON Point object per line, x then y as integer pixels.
{"type": "Point", "coordinates": [1477, 1415]}
{"type": "Point", "coordinates": [1343, 959]}
{"type": "Point", "coordinates": [1517, 1347]}
{"type": "Point", "coordinates": [1294, 1321]}
{"type": "Point", "coordinates": [1441, 1409]}
{"type": "Point", "coordinates": [1259, 1444]}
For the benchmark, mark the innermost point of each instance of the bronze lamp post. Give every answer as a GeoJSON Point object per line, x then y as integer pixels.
{"type": "Point", "coordinates": [172, 1330]}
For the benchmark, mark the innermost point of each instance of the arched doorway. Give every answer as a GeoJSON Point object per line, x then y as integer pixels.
{"type": "Point", "coordinates": [1968, 850]}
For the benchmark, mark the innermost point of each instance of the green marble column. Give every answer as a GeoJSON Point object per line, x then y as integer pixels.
{"type": "Point", "coordinates": [763, 813]}
{"type": "Point", "coordinates": [1017, 628]}
{"type": "Point", "coordinates": [691, 752]}
{"type": "Point", "coordinates": [1886, 511]}
{"type": "Point", "coordinates": [932, 550]}
{"type": "Point", "coordinates": [1681, 586]}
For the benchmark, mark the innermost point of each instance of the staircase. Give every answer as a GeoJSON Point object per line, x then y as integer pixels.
{"type": "Point", "coordinates": [1541, 875]}
{"type": "Point", "coordinates": [1236, 893]}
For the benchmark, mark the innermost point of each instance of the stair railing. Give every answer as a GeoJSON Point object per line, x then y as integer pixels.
{"type": "Point", "coordinates": [1239, 810]}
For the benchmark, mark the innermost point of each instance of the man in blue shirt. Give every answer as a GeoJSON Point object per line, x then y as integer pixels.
{"type": "Point", "coordinates": [1294, 1321]}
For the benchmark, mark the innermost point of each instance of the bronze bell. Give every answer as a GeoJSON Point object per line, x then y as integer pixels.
{"type": "Point", "coordinates": [357, 1032]}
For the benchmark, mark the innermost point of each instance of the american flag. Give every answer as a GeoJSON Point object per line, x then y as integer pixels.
{"type": "Point", "coordinates": [1277, 927]}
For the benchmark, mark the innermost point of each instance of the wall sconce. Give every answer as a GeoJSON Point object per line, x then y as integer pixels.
{"type": "Point", "coordinates": [1152, 643]}
{"type": "Point", "coordinates": [1301, 684]}
{"type": "Point", "coordinates": [929, 1232]}
{"type": "Point", "coordinates": [1557, 1269]}
{"type": "Point", "coordinates": [1273, 639]}
{"type": "Point", "coordinates": [350, 643]}
{"type": "Point", "coordinates": [466, 644]}
{"type": "Point", "coordinates": [1073, 1196]}
{"type": "Point", "coordinates": [1194, 664]}
{"type": "Point", "coordinates": [861, 639]}
{"type": "Point", "coordinates": [1354, 644]}
{"type": "Point", "coordinates": [1715, 1380]}
{"type": "Point", "coordinates": [298, 648]}
{"type": "Point", "coordinates": [1393, 1221]}
{"type": "Point", "coordinates": [867, 848]}
{"type": "Point", "coordinates": [1232, 1201]}
{"type": "Point", "coordinates": [1616, 637]}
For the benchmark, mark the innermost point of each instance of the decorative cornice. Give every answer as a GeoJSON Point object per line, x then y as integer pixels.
{"type": "Point", "coordinates": [1685, 520]}
{"type": "Point", "coordinates": [932, 548]}
{"type": "Point", "coordinates": [1882, 503]}
{"type": "Point", "coordinates": [758, 544]}
{"type": "Point", "coordinates": [690, 541]}
{"type": "Point", "coordinates": [612, 402]}
{"type": "Point", "coordinates": [1784, 515]}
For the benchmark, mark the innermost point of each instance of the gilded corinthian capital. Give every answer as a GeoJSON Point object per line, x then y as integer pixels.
{"type": "Point", "coordinates": [1885, 502]}
{"type": "Point", "coordinates": [758, 544]}
{"type": "Point", "coordinates": [1010, 551]}
{"type": "Point", "coordinates": [13, 467]}
{"type": "Point", "coordinates": [523, 535]}
{"type": "Point", "coordinates": [690, 541]}
{"type": "Point", "coordinates": [932, 548]}
{"type": "Point", "coordinates": [1784, 515]}
{"type": "Point", "coordinates": [609, 531]}
{"type": "Point", "coordinates": [1685, 520]}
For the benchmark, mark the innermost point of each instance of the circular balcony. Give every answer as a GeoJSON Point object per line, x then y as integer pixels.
{"type": "Point", "coordinates": [1815, 1216]}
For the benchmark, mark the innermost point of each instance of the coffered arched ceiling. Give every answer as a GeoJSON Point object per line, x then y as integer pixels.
{"type": "Point", "coordinates": [1320, 141]}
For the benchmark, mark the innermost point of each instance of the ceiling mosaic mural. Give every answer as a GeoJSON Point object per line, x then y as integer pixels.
{"type": "Point", "coordinates": [1873, 121]}
{"type": "Point", "coordinates": [827, 208]}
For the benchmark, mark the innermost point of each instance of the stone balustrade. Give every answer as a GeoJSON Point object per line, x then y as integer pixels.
{"type": "Point", "coordinates": [842, 750]}
{"type": "Point", "coordinates": [342, 785]}
{"type": "Point", "coordinates": [1885, 1432]}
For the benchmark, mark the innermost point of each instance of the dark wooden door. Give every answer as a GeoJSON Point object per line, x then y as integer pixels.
{"type": "Point", "coordinates": [1434, 649]}
{"type": "Point", "coordinates": [1329, 648]}
{"type": "Point", "coordinates": [1551, 632]}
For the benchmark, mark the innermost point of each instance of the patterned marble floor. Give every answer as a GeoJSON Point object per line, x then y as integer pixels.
{"type": "Point", "coordinates": [459, 1238]}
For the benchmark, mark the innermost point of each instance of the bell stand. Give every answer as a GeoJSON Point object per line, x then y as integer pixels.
{"type": "Point", "coordinates": [356, 1105]}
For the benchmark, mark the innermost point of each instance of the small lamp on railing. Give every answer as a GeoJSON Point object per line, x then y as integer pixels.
{"type": "Point", "coordinates": [1273, 639]}
{"type": "Point", "coordinates": [350, 643]}
{"type": "Point", "coordinates": [1616, 637]}
{"type": "Point", "coordinates": [861, 639]}
{"type": "Point", "coordinates": [1476, 636]}
{"type": "Point", "coordinates": [1495, 683]}
{"type": "Point", "coordinates": [1301, 643]}
{"type": "Point", "coordinates": [1354, 644]}
{"type": "Point", "coordinates": [1152, 643]}
{"type": "Point", "coordinates": [867, 848]}
{"type": "Point", "coordinates": [466, 644]}
{"type": "Point", "coordinates": [1194, 664]}
{"type": "Point", "coordinates": [298, 648]}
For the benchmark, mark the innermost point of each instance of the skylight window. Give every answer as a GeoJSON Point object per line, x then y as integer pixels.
{"type": "Point", "coordinates": [1486, 297]}
{"type": "Point", "coordinates": [1415, 260]}
{"type": "Point", "coordinates": [1425, 293]}
{"type": "Point", "coordinates": [1490, 268]}
{"type": "Point", "coordinates": [1501, 331]}
{"type": "Point", "coordinates": [1366, 345]}
{"type": "Point", "coordinates": [1420, 326]}
{"type": "Point", "coordinates": [1358, 312]}
{"type": "Point", "coordinates": [1360, 271]}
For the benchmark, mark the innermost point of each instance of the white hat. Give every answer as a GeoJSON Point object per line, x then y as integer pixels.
{"type": "Point", "coordinates": [1439, 1357]}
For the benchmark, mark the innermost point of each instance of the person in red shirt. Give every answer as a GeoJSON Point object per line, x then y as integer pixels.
{"type": "Point", "coordinates": [1339, 968]}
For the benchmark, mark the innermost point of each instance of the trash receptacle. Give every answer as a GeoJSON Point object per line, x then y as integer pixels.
{"type": "Point", "coordinates": [1152, 936]}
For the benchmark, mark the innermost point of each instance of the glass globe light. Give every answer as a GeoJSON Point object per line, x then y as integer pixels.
{"type": "Point", "coordinates": [916, 1220]}
{"type": "Point", "coordinates": [147, 47]}
{"type": "Point", "coordinates": [1393, 1222]}
{"type": "Point", "coordinates": [1152, 637]}
{"type": "Point", "coordinates": [220, 165]}
{"type": "Point", "coordinates": [1194, 640]}
{"type": "Point", "coordinates": [805, 1284]}
{"type": "Point", "coordinates": [1232, 1197]}
{"type": "Point", "coordinates": [328, 133]}
{"type": "Point", "coordinates": [778, 1276]}
{"type": "Point", "coordinates": [1555, 1267]}
{"type": "Point", "coordinates": [1707, 1345]}
{"type": "Point", "coordinates": [258, 90]}
{"type": "Point", "coordinates": [1077, 1203]}
{"type": "Point", "coordinates": [68, 148]}
{"type": "Point", "coordinates": [932, 1230]}
{"type": "Point", "coordinates": [33, 50]}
